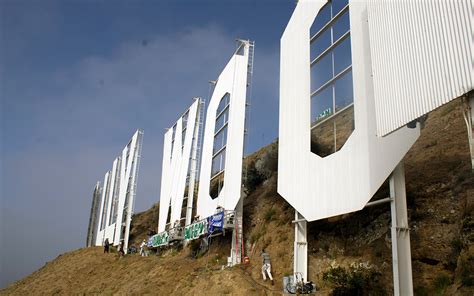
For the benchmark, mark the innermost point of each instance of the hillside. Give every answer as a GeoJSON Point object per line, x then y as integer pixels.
{"type": "Point", "coordinates": [355, 247]}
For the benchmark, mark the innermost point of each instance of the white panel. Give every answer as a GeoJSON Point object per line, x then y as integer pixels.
{"type": "Point", "coordinates": [94, 215]}
{"type": "Point", "coordinates": [422, 57]}
{"type": "Point", "coordinates": [232, 80]}
{"type": "Point", "coordinates": [175, 167]}
{"type": "Point", "coordinates": [110, 228]}
{"type": "Point", "coordinates": [128, 175]}
{"type": "Point", "coordinates": [100, 233]}
{"type": "Point", "coordinates": [344, 181]}
{"type": "Point", "coordinates": [127, 170]}
{"type": "Point", "coordinates": [136, 152]}
{"type": "Point", "coordinates": [166, 179]}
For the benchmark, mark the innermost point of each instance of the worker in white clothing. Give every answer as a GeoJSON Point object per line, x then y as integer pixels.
{"type": "Point", "coordinates": [143, 251]}
{"type": "Point", "coordinates": [267, 266]}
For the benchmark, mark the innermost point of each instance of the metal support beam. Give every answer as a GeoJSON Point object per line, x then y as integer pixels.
{"type": "Point", "coordinates": [377, 202]}
{"type": "Point", "coordinates": [401, 254]}
{"type": "Point", "coordinates": [194, 160]}
{"type": "Point", "coordinates": [468, 113]}
{"type": "Point", "coordinates": [300, 261]}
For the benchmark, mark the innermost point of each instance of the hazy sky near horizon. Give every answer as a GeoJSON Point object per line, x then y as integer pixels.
{"type": "Point", "coordinates": [77, 78]}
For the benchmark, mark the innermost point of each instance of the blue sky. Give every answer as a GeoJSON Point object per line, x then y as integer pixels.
{"type": "Point", "coordinates": [77, 78]}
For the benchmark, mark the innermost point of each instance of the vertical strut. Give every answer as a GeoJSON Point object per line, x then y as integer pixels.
{"type": "Point", "coordinates": [194, 161]}
{"type": "Point", "coordinates": [400, 233]}
{"type": "Point", "coordinates": [237, 235]}
{"type": "Point", "coordinates": [300, 260]}
{"type": "Point", "coordinates": [468, 113]}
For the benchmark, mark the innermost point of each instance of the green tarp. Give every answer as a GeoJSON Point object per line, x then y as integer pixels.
{"type": "Point", "coordinates": [195, 230]}
{"type": "Point", "coordinates": [160, 239]}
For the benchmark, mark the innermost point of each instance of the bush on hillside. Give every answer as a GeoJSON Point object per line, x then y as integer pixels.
{"type": "Point", "coordinates": [358, 280]}
{"type": "Point", "coordinates": [261, 169]}
{"type": "Point", "coordinates": [252, 178]}
{"type": "Point", "coordinates": [267, 164]}
{"type": "Point", "coordinates": [441, 283]}
{"type": "Point", "coordinates": [269, 214]}
{"type": "Point", "coordinates": [466, 270]}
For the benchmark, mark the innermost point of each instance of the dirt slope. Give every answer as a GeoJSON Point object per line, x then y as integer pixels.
{"type": "Point", "coordinates": [440, 192]}
{"type": "Point", "coordinates": [89, 271]}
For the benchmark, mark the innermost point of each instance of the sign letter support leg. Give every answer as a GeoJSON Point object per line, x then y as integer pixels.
{"type": "Point", "coordinates": [300, 263]}
{"type": "Point", "coordinates": [401, 254]}
{"type": "Point", "coordinates": [468, 113]}
{"type": "Point", "coordinates": [237, 235]}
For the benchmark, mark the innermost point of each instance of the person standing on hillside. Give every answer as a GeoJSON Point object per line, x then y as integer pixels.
{"type": "Point", "coordinates": [121, 252]}
{"type": "Point", "coordinates": [267, 266]}
{"type": "Point", "coordinates": [106, 246]}
{"type": "Point", "coordinates": [143, 251]}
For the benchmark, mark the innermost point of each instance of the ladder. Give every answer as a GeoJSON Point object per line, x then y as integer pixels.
{"type": "Point", "coordinates": [250, 61]}
{"type": "Point", "coordinates": [248, 96]}
{"type": "Point", "coordinates": [239, 239]}
{"type": "Point", "coordinates": [199, 136]}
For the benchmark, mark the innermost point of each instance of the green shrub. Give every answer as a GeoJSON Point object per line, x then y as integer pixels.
{"type": "Point", "coordinates": [421, 291]}
{"type": "Point", "coordinates": [466, 270]}
{"type": "Point", "coordinates": [440, 283]}
{"type": "Point", "coordinates": [268, 215]}
{"type": "Point", "coordinates": [457, 246]}
{"type": "Point", "coordinates": [267, 164]}
{"type": "Point", "coordinates": [354, 281]}
{"type": "Point", "coordinates": [255, 236]}
{"type": "Point", "coordinates": [261, 169]}
{"type": "Point", "coordinates": [447, 109]}
{"type": "Point", "coordinates": [252, 178]}
{"type": "Point", "coordinates": [324, 245]}
{"type": "Point", "coordinates": [195, 249]}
